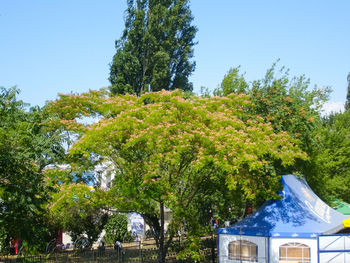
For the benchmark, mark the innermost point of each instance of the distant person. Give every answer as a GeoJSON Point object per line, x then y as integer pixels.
{"type": "Point", "coordinates": [117, 245]}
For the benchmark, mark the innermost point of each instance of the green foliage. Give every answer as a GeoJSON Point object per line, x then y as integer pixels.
{"type": "Point", "coordinates": [26, 147]}
{"type": "Point", "coordinates": [194, 244]}
{"type": "Point", "coordinates": [347, 103]}
{"type": "Point", "coordinates": [155, 49]}
{"type": "Point", "coordinates": [75, 208]}
{"type": "Point", "coordinates": [331, 161]}
{"type": "Point", "coordinates": [287, 103]}
{"type": "Point", "coordinates": [172, 152]}
{"type": "Point", "coordinates": [116, 228]}
{"type": "Point", "coordinates": [233, 82]}
{"type": "Point", "coordinates": [4, 241]}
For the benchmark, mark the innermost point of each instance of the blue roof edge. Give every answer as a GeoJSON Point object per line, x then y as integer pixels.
{"type": "Point", "coordinates": [246, 232]}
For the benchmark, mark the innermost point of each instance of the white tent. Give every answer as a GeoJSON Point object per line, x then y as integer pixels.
{"type": "Point", "coordinates": [299, 227]}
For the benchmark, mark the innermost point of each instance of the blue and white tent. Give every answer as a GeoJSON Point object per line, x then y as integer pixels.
{"type": "Point", "coordinates": [287, 230]}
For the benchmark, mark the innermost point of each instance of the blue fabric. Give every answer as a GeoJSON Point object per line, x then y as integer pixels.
{"type": "Point", "coordinates": [299, 213]}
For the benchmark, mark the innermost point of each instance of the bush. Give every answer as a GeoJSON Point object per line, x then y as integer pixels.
{"type": "Point", "coordinates": [116, 228]}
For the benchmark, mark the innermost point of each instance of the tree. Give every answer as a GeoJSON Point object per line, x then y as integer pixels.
{"type": "Point", "coordinates": [288, 104]}
{"type": "Point", "coordinates": [347, 103]}
{"type": "Point", "coordinates": [26, 147]}
{"type": "Point", "coordinates": [116, 228]}
{"type": "Point", "coordinates": [332, 159]}
{"type": "Point", "coordinates": [75, 208]}
{"type": "Point", "coordinates": [155, 49]}
{"type": "Point", "coordinates": [233, 82]}
{"type": "Point", "coordinates": [166, 150]}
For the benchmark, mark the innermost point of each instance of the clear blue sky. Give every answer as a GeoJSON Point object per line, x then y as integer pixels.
{"type": "Point", "coordinates": [59, 46]}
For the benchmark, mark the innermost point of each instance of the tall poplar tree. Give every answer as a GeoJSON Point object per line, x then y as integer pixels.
{"type": "Point", "coordinates": [347, 103]}
{"type": "Point", "coordinates": [156, 48]}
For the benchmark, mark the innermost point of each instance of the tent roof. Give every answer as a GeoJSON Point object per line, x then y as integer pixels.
{"type": "Point", "coordinates": [299, 213]}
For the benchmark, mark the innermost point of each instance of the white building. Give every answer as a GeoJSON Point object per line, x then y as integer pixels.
{"type": "Point", "coordinates": [104, 174]}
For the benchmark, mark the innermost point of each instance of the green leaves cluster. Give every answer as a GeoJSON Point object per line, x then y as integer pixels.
{"type": "Point", "coordinates": [331, 161]}
{"type": "Point", "coordinates": [116, 228]}
{"type": "Point", "coordinates": [347, 103]}
{"type": "Point", "coordinates": [167, 150]}
{"type": "Point", "coordinates": [287, 103]}
{"type": "Point", "coordinates": [155, 49]}
{"type": "Point", "coordinates": [290, 105]}
{"type": "Point", "coordinates": [26, 147]}
{"type": "Point", "coordinates": [75, 208]}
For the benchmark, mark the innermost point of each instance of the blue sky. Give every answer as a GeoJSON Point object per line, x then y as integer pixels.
{"type": "Point", "coordinates": [59, 46]}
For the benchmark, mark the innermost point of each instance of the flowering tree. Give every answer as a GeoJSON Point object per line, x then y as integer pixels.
{"type": "Point", "coordinates": [167, 150]}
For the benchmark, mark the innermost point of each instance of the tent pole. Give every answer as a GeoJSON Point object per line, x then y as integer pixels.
{"type": "Point", "coordinates": [240, 244]}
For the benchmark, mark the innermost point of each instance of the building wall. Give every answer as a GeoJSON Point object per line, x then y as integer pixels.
{"type": "Point", "coordinates": [104, 173]}
{"type": "Point", "coordinates": [67, 239]}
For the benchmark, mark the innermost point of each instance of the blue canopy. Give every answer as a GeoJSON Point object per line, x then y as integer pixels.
{"type": "Point", "coordinates": [299, 213]}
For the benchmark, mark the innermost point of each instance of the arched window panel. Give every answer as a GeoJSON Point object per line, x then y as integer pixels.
{"type": "Point", "coordinates": [243, 250]}
{"type": "Point", "coordinates": [294, 252]}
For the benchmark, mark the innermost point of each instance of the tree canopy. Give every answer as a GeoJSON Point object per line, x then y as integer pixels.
{"type": "Point", "coordinates": [347, 103]}
{"type": "Point", "coordinates": [288, 103]}
{"type": "Point", "coordinates": [26, 147]}
{"type": "Point", "coordinates": [155, 49]}
{"type": "Point", "coordinates": [332, 158]}
{"type": "Point", "coordinates": [75, 208]}
{"type": "Point", "coordinates": [116, 228]}
{"type": "Point", "coordinates": [166, 150]}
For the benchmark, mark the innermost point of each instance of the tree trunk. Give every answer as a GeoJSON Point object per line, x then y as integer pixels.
{"type": "Point", "coordinates": [158, 226]}
{"type": "Point", "coordinates": [161, 252]}
{"type": "Point", "coordinates": [153, 222]}
{"type": "Point", "coordinates": [247, 209]}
